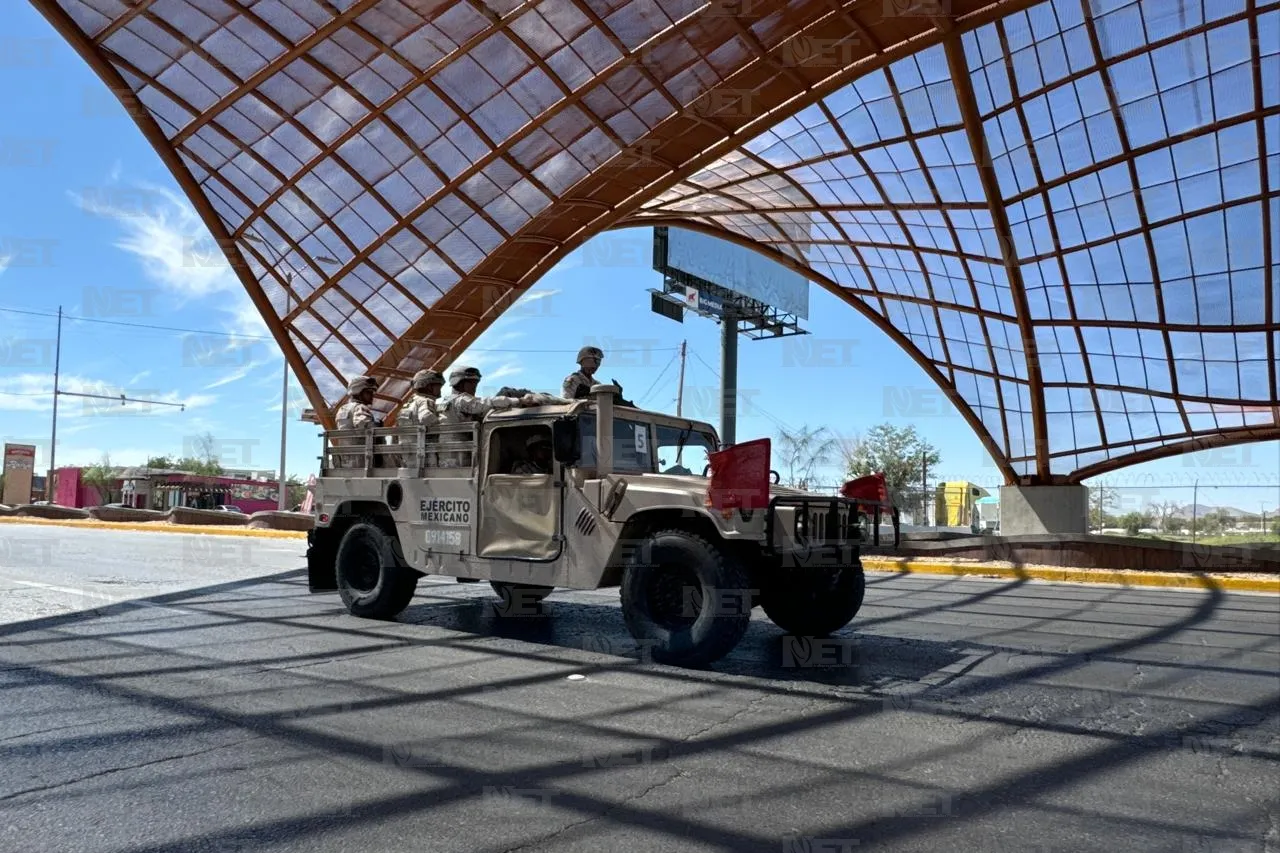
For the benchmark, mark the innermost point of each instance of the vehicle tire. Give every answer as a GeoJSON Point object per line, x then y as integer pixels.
{"type": "Point", "coordinates": [372, 580]}
{"type": "Point", "coordinates": [684, 598]}
{"type": "Point", "coordinates": [519, 598]}
{"type": "Point", "coordinates": [813, 602]}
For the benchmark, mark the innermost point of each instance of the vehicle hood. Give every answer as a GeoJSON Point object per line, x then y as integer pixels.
{"type": "Point", "coordinates": [685, 482]}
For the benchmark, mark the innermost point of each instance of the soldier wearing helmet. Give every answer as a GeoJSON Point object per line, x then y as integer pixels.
{"type": "Point", "coordinates": [539, 461]}
{"type": "Point", "coordinates": [577, 385]}
{"type": "Point", "coordinates": [422, 408]}
{"type": "Point", "coordinates": [357, 413]}
{"type": "Point", "coordinates": [464, 405]}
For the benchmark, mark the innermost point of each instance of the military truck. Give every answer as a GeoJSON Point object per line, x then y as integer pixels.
{"type": "Point", "coordinates": [691, 556]}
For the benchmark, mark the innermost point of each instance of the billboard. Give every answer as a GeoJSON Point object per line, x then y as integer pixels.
{"type": "Point", "coordinates": [739, 269]}
{"type": "Point", "coordinates": [19, 468]}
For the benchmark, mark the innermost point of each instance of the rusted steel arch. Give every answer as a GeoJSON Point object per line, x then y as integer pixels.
{"type": "Point", "coordinates": [104, 38]}
{"type": "Point", "coordinates": [380, 133]}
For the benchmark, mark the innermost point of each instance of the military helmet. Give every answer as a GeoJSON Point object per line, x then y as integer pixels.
{"type": "Point", "coordinates": [423, 378]}
{"type": "Point", "coordinates": [590, 352]}
{"type": "Point", "coordinates": [361, 383]}
{"type": "Point", "coordinates": [460, 374]}
{"type": "Point", "coordinates": [535, 440]}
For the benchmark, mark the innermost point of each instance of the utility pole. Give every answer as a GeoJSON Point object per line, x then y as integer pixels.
{"type": "Point", "coordinates": [1195, 508]}
{"type": "Point", "coordinates": [680, 392]}
{"type": "Point", "coordinates": [49, 494]}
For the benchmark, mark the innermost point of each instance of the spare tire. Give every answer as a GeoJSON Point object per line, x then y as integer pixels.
{"type": "Point", "coordinates": [813, 602]}
{"type": "Point", "coordinates": [519, 598]}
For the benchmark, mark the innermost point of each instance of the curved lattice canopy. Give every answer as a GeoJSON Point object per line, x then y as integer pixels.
{"type": "Point", "coordinates": [1066, 211]}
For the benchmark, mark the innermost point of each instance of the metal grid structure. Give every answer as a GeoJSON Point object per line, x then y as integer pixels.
{"type": "Point", "coordinates": [1066, 211]}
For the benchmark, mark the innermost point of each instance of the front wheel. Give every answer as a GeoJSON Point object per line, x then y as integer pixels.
{"type": "Point", "coordinates": [813, 602]}
{"type": "Point", "coordinates": [373, 582]}
{"type": "Point", "coordinates": [685, 599]}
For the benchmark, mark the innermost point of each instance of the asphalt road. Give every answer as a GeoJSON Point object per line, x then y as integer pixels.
{"type": "Point", "coordinates": [230, 710]}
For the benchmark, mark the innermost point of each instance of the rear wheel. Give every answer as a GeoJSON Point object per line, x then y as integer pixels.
{"type": "Point", "coordinates": [812, 602]}
{"type": "Point", "coordinates": [372, 580]}
{"type": "Point", "coordinates": [519, 598]}
{"type": "Point", "coordinates": [686, 599]}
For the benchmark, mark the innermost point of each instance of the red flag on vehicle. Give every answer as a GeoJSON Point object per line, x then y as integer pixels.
{"type": "Point", "coordinates": [740, 476]}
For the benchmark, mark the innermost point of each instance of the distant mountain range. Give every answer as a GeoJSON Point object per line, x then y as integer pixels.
{"type": "Point", "coordinates": [1185, 512]}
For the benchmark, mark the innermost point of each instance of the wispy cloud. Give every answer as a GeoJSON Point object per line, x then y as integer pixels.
{"type": "Point", "coordinates": [239, 373]}
{"type": "Point", "coordinates": [165, 233]}
{"type": "Point", "coordinates": [33, 392]}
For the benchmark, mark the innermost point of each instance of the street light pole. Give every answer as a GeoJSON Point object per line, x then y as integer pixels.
{"type": "Point", "coordinates": [279, 261]}
{"type": "Point", "coordinates": [49, 494]}
{"type": "Point", "coordinates": [284, 403]}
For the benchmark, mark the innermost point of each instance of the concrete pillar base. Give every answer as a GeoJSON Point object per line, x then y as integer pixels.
{"type": "Point", "coordinates": [1043, 509]}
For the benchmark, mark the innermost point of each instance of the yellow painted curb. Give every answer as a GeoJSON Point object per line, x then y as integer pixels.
{"type": "Point", "coordinates": [1179, 580]}
{"type": "Point", "coordinates": [217, 530]}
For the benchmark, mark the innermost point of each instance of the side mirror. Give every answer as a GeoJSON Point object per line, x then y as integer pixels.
{"type": "Point", "coordinates": [566, 440]}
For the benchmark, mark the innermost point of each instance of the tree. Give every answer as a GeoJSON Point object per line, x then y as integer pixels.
{"type": "Point", "coordinates": [1173, 524]}
{"type": "Point", "coordinates": [1275, 527]}
{"type": "Point", "coordinates": [1162, 512]}
{"type": "Point", "coordinates": [101, 478]}
{"type": "Point", "coordinates": [1209, 524]}
{"type": "Point", "coordinates": [1133, 522]}
{"type": "Point", "coordinates": [803, 452]}
{"type": "Point", "coordinates": [1102, 499]}
{"type": "Point", "coordinates": [897, 452]}
{"type": "Point", "coordinates": [296, 492]}
{"type": "Point", "coordinates": [162, 462]}
{"type": "Point", "coordinates": [197, 466]}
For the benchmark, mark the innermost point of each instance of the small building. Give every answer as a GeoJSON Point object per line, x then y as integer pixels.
{"type": "Point", "coordinates": [162, 489]}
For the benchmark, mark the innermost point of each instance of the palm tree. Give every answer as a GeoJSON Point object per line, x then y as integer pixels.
{"type": "Point", "coordinates": [803, 451]}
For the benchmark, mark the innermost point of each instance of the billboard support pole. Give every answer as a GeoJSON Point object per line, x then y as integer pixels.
{"type": "Point", "coordinates": [729, 380]}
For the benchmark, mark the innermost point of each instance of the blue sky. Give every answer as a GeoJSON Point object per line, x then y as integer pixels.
{"type": "Point", "coordinates": [91, 220]}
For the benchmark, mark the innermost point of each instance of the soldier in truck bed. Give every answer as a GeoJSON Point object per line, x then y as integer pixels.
{"type": "Point", "coordinates": [578, 384]}
{"type": "Point", "coordinates": [464, 405]}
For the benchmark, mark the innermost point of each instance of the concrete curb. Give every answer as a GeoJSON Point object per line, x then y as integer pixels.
{"type": "Point", "coordinates": [1121, 577]}
{"type": "Point", "coordinates": [215, 530]}
{"type": "Point", "coordinates": [890, 565]}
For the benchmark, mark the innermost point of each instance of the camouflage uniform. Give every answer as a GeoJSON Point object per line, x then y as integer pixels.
{"type": "Point", "coordinates": [577, 385]}
{"type": "Point", "coordinates": [465, 407]}
{"type": "Point", "coordinates": [354, 414]}
{"type": "Point", "coordinates": [422, 410]}
{"type": "Point", "coordinates": [422, 407]}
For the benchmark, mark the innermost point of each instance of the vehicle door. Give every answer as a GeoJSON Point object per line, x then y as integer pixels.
{"type": "Point", "coordinates": [521, 514]}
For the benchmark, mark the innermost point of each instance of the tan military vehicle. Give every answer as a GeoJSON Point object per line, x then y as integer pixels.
{"type": "Point", "coordinates": [623, 504]}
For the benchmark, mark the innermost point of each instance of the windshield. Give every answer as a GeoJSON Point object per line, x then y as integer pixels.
{"type": "Point", "coordinates": [682, 451]}
{"type": "Point", "coordinates": [631, 450]}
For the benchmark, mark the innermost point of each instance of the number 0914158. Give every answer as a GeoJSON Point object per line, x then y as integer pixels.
{"type": "Point", "coordinates": [444, 537]}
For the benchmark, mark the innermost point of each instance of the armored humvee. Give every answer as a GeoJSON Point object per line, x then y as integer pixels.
{"type": "Point", "coordinates": [392, 505]}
